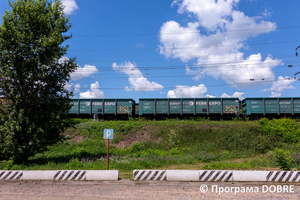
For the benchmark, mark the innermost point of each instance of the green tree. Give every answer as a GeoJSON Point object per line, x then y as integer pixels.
{"type": "Point", "coordinates": [33, 73]}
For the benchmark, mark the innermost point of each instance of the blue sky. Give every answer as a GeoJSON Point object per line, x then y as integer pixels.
{"type": "Point", "coordinates": [183, 48]}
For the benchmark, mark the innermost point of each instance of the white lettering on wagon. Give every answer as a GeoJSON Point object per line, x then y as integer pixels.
{"type": "Point", "coordinates": [97, 103]}
{"type": "Point", "coordinates": [285, 102]}
{"type": "Point", "coordinates": [201, 103]}
{"type": "Point", "coordinates": [110, 103]}
{"type": "Point", "coordinates": [174, 103]}
{"type": "Point", "coordinates": [86, 103]}
{"type": "Point", "coordinates": [214, 103]}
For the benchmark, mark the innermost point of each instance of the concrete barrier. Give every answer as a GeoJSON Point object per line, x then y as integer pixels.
{"type": "Point", "coordinates": [11, 175]}
{"type": "Point", "coordinates": [149, 175]}
{"type": "Point", "coordinates": [38, 175]}
{"type": "Point", "coordinates": [102, 175]}
{"type": "Point", "coordinates": [61, 175]}
{"type": "Point", "coordinates": [281, 176]}
{"type": "Point", "coordinates": [71, 175]}
{"type": "Point", "coordinates": [215, 175]}
{"type": "Point", "coordinates": [182, 175]}
{"type": "Point", "coordinates": [250, 175]}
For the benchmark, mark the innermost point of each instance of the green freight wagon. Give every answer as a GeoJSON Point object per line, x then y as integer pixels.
{"type": "Point", "coordinates": [271, 107]}
{"type": "Point", "coordinates": [215, 108]}
{"type": "Point", "coordinates": [103, 108]}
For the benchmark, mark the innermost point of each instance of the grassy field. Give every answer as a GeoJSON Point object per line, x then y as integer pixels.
{"type": "Point", "coordinates": [173, 144]}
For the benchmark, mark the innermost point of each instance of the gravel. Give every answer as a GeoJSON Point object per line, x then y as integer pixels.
{"type": "Point", "coordinates": [127, 189]}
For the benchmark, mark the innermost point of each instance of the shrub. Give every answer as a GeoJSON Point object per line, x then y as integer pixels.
{"type": "Point", "coordinates": [136, 147]}
{"type": "Point", "coordinates": [283, 159]}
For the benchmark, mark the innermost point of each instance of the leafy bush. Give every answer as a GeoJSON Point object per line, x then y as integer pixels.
{"type": "Point", "coordinates": [136, 147]}
{"type": "Point", "coordinates": [286, 129]}
{"type": "Point", "coordinates": [284, 159]}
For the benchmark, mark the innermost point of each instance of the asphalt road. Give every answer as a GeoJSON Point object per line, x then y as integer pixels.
{"type": "Point", "coordinates": [127, 189]}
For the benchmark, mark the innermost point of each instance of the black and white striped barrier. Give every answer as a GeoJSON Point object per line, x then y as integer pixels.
{"type": "Point", "coordinates": [149, 175]}
{"type": "Point", "coordinates": [216, 175]}
{"type": "Point", "coordinates": [70, 175]}
{"type": "Point", "coordinates": [62, 175]}
{"type": "Point", "coordinates": [284, 176]}
{"type": "Point", "coordinates": [11, 175]}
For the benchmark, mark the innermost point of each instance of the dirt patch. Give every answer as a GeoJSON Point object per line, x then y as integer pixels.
{"type": "Point", "coordinates": [138, 136]}
{"type": "Point", "coordinates": [76, 139]}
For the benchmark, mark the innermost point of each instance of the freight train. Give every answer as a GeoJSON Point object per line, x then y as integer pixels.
{"type": "Point", "coordinates": [162, 108]}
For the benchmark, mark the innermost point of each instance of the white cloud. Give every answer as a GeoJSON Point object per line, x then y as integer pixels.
{"type": "Point", "coordinates": [218, 52]}
{"type": "Point", "coordinates": [210, 96]}
{"type": "Point", "coordinates": [210, 13]}
{"type": "Point", "coordinates": [77, 88]}
{"type": "Point", "coordinates": [275, 94]}
{"type": "Point", "coordinates": [280, 85]}
{"type": "Point", "coordinates": [94, 92]}
{"type": "Point", "coordinates": [266, 13]}
{"type": "Point", "coordinates": [188, 91]}
{"type": "Point", "coordinates": [136, 79]}
{"type": "Point", "coordinates": [68, 86]}
{"type": "Point", "coordinates": [236, 94]}
{"type": "Point", "coordinates": [70, 6]}
{"type": "Point", "coordinates": [82, 72]}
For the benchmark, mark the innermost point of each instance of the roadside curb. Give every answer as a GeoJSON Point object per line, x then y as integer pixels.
{"type": "Point", "coordinates": [61, 175]}
{"type": "Point", "coordinates": [149, 175]}
{"type": "Point", "coordinates": [217, 175]}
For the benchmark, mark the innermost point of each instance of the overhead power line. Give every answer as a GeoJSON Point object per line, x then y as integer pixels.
{"type": "Point", "coordinates": [191, 67]}
{"type": "Point", "coordinates": [183, 86]}
{"type": "Point", "coordinates": [155, 34]}
{"type": "Point", "coordinates": [165, 60]}
{"type": "Point", "coordinates": [150, 49]}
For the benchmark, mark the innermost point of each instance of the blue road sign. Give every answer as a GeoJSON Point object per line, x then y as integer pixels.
{"type": "Point", "coordinates": [108, 134]}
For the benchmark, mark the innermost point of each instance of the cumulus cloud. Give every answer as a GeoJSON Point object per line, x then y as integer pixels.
{"type": "Point", "coordinates": [236, 94]}
{"type": "Point", "coordinates": [282, 83]}
{"type": "Point", "coordinates": [210, 96]}
{"type": "Point", "coordinates": [210, 13]}
{"type": "Point", "coordinates": [136, 79]}
{"type": "Point", "coordinates": [82, 72]}
{"type": "Point", "coordinates": [275, 94]}
{"type": "Point", "coordinates": [182, 91]}
{"type": "Point", "coordinates": [218, 50]}
{"type": "Point", "coordinates": [69, 86]}
{"type": "Point", "coordinates": [94, 92]}
{"type": "Point", "coordinates": [70, 6]}
{"type": "Point", "coordinates": [77, 88]}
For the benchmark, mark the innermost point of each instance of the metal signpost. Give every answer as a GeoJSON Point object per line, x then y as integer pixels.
{"type": "Point", "coordinates": [108, 135]}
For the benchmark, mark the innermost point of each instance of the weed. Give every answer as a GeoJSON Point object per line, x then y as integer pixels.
{"type": "Point", "coordinates": [284, 159]}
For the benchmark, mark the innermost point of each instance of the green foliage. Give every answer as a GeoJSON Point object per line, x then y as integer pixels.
{"type": "Point", "coordinates": [286, 129]}
{"type": "Point", "coordinates": [172, 139]}
{"type": "Point", "coordinates": [136, 147]}
{"type": "Point", "coordinates": [74, 164]}
{"type": "Point", "coordinates": [241, 138]}
{"type": "Point", "coordinates": [33, 74]}
{"type": "Point", "coordinates": [284, 159]}
{"type": "Point", "coordinates": [171, 142]}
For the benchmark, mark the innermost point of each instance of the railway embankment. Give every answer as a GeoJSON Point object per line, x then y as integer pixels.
{"type": "Point", "coordinates": [197, 144]}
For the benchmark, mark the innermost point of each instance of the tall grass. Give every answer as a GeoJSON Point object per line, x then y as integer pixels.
{"type": "Point", "coordinates": [180, 142]}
